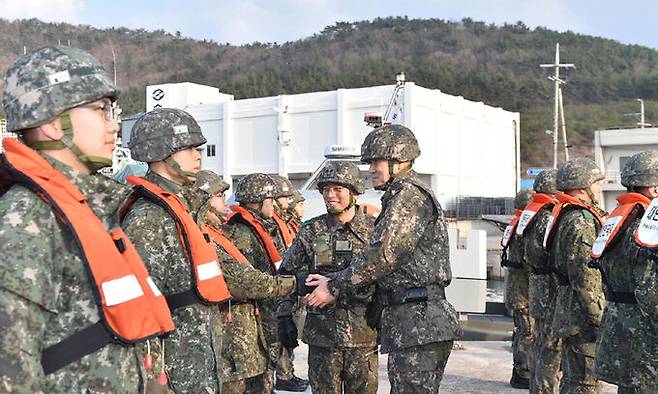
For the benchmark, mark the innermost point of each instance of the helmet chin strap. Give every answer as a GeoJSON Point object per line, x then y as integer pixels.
{"type": "Point", "coordinates": [184, 175]}
{"type": "Point", "coordinates": [336, 212]}
{"type": "Point", "coordinates": [392, 175]}
{"type": "Point", "coordinates": [92, 163]}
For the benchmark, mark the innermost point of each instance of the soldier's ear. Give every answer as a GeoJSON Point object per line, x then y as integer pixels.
{"type": "Point", "coordinates": [52, 130]}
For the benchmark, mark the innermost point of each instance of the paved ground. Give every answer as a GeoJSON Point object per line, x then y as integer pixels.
{"type": "Point", "coordinates": [482, 367]}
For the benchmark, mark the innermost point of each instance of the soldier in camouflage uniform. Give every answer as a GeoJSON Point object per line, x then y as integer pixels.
{"type": "Point", "coordinates": [59, 101]}
{"type": "Point", "coordinates": [646, 295]}
{"type": "Point", "coordinates": [166, 139]}
{"type": "Point", "coordinates": [579, 300]}
{"type": "Point", "coordinates": [516, 299]}
{"type": "Point", "coordinates": [296, 210]}
{"type": "Point", "coordinates": [542, 290]}
{"type": "Point", "coordinates": [342, 347]}
{"type": "Point", "coordinates": [408, 258]}
{"type": "Point", "coordinates": [255, 194]}
{"type": "Point", "coordinates": [244, 348]}
{"type": "Point", "coordinates": [622, 358]}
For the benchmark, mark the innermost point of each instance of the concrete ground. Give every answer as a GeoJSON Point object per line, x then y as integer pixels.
{"type": "Point", "coordinates": [482, 367]}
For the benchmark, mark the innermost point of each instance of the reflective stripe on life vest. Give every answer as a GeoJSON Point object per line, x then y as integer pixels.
{"type": "Point", "coordinates": [647, 232]}
{"type": "Point", "coordinates": [210, 286]}
{"type": "Point", "coordinates": [130, 305]}
{"type": "Point", "coordinates": [244, 216]}
{"type": "Point", "coordinates": [509, 230]}
{"type": "Point", "coordinates": [564, 201]}
{"type": "Point", "coordinates": [539, 200]}
{"type": "Point", "coordinates": [617, 220]}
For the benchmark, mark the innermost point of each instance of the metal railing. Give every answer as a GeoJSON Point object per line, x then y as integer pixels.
{"type": "Point", "coordinates": [470, 208]}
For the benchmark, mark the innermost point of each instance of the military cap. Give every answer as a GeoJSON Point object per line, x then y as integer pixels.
{"type": "Point", "coordinates": [545, 182]}
{"type": "Point", "coordinates": [284, 187]}
{"type": "Point", "coordinates": [390, 142]}
{"type": "Point", "coordinates": [343, 173]}
{"type": "Point", "coordinates": [641, 170]}
{"type": "Point", "coordinates": [42, 84]}
{"type": "Point", "coordinates": [210, 182]}
{"type": "Point", "coordinates": [578, 173]}
{"type": "Point", "coordinates": [162, 132]}
{"type": "Point", "coordinates": [522, 198]}
{"type": "Point", "coordinates": [255, 188]}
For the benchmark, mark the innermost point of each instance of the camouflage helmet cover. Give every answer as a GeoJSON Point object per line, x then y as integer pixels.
{"type": "Point", "coordinates": [390, 142]}
{"type": "Point", "coordinates": [522, 198]}
{"type": "Point", "coordinates": [210, 182]}
{"type": "Point", "coordinates": [42, 84]}
{"type": "Point", "coordinates": [578, 173]}
{"type": "Point", "coordinates": [343, 173]}
{"type": "Point", "coordinates": [255, 188]}
{"type": "Point", "coordinates": [162, 132]}
{"type": "Point", "coordinates": [298, 196]}
{"type": "Point", "coordinates": [545, 182]}
{"type": "Point", "coordinates": [284, 187]}
{"type": "Point", "coordinates": [641, 170]}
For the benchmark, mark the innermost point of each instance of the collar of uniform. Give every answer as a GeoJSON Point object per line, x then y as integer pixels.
{"type": "Point", "coordinates": [396, 185]}
{"type": "Point", "coordinates": [104, 195]}
{"type": "Point", "coordinates": [166, 184]}
{"type": "Point", "coordinates": [357, 222]}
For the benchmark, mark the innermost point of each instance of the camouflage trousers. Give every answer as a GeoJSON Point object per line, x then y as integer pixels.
{"type": "Point", "coordinates": [251, 385]}
{"type": "Point", "coordinates": [547, 356]}
{"type": "Point", "coordinates": [285, 369]}
{"type": "Point", "coordinates": [418, 369]}
{"type": "Point", "coordinates": [578, 367]}
{"type": "Point", "coordinates": [349, 370]}
{"type": "Point", "coordinates": [522, 343]}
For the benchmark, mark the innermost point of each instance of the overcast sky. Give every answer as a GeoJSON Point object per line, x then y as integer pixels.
{"type": "Point", "coordinates": [244, 21]}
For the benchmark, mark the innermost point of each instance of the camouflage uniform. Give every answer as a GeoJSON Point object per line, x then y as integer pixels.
{"type": "Point", "coordinates": [247, 242]}
{"type": "Point", "coordinates": [579, 300]}
{"type": "Point", "coordinates": [542, 290]}
{"type": "Point", "coordinates": [192, 351]}
{"type": "Point", "coordinates": [342, 347]}
{"type": "Point", "coordinates": [516, 299]}
{"type": "Point", "coordinates": [45, 292]}
{"type": "Point", "coordinates": [408, 258]}
{"type": "Point", "coordinates": [623, 357]}
{"type": "Point", "coordinates": [646, 295]}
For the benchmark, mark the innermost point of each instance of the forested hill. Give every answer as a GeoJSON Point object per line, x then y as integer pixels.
{"type": "Point", "coordinates": [498, 65]}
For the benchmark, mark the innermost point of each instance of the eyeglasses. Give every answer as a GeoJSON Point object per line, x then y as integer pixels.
{"type": "Point", "coordinates": [112, 111]}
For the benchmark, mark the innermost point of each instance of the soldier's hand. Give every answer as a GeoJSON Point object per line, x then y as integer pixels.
{"type": "Point", "coordinates": [287, 332]}
{"type": "Point", "coordinates": [321, 296]}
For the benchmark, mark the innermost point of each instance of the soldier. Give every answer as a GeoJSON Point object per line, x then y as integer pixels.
{"type": "Point", "coordinates": [182, 262]}
{"type": "Point", "coordinates": [342, 347]}
{"type": "Point", "coordinates": [516, 295]}
{"type": "Point", "coordinates": [408, 258]}
{"type": "Point", "coordinates": [285, 193]}
{"type": "Point", "coordinates": [296, 211]}
{"type": "Point", "coordinates": [244, 350]}
{"type": "Point", "coordinates": [65, 284]}
{"type": "Point", "coordinates": [621, 358]}
{"type": "Point", "coordinates": [569, 237]}
{"type": "Point", "coordinates": [542, 287]}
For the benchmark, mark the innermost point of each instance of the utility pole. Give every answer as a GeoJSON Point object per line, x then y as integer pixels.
{"type": "Point", "coordinates": [557, 81]}
{"type": "Point", "coordinates": [564, 127]}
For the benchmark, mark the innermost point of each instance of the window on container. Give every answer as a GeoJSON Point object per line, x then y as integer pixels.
{"type": "Point", "coordinates": [210, 150]}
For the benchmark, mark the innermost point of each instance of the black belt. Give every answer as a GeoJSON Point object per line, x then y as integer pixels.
{"type": "Point", "coordinates": [511, 264]}
{"type": "Point", "coordinates": [562, 280]}
{"type": "Point", "coordinates": [73, 348]}
{"type": "Point", "coordinates": [413, 294]}
{"type": "Point", "coordinates": [622, 297]}
{"type": "Point", "coordinates": [182, 299]}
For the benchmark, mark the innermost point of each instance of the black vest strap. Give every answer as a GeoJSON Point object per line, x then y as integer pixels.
{"type": "Point", "coordinates": [75, 347]}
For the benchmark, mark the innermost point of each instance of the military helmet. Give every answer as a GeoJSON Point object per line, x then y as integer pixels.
{"type": "Point", "coordinates": [578, 173]}
{"type": "Point", "coordinates": [210, 182]}
{"type": "Point", "coordinates": [284, 187]}
{"type": "Point", "coordinates": [545, 182]}
{"type": "Point", "coordinates": [298, 196]}
{"type": "Point", "coordinates": [343, 173]}
{"type": "Point", "coordinates": [42, 84]}
{"type": "Point", "coordinates": [390, 142]}
{"type": "Point", "coordinates": [255, 188]}
{"type": "Point", "coordinates": [162, 132]}
{"type": "Point", "coordinates": [641, 170]}
{"type": "Point", "coordinates": [522, 198]}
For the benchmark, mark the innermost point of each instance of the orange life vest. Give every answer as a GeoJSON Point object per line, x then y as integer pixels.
{"type": "Point", "coordinates": [286, 232]}
{"type": "Point", "coordinates": [132, 308]}
{"type": "Point", "coordinates": [647, 232]}
{"type": "Point", "coordinates": [618, 219]}
{"type": "Point", "coordinates": [226, 244]}
{"type": "Point", "coordinates": [244, 216]}
{"type": "Point", "coordinates": [294, 226]}
{"type": "Point", "coordinates": [565, 201]}
{"type": "Point", "coordinates": [511, 227]}
{"type": "Point", "coordinates": [210, 286]}
{"type": "Point", "coordinates": [529, 214]}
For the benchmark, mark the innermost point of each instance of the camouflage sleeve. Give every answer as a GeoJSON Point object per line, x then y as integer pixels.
{"type": "Point", "coordinates": [646, 292]}
{"type": "Point", "coordinates": [248, 245]}
{"type": "Point", "coordinates": [247, 283]}
{"type": "Point", "coordinates": [297, 262]}
{"type": "Point", "coordinates": [584, 280]}
{"type": "Point", "coordinates": [394, 238]}
{"type": "Point", "coordinates": [533, 250]}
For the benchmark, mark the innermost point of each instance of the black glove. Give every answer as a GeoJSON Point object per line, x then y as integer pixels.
{"type": "Point", "coordinates": [302, 289]}
{"type": "Point", "coordinates": [287, 332]}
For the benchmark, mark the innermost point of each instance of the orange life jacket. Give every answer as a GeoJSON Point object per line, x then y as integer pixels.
{"type": "Point", "coordinates": [647, 232]}
{"type": "Point", "coordinates": [511, 227]}
{"type": "Point", "coordinates": [226, 244]}
{"type": "Point", "coordinates": [565, 201]}
{"type": "Point", "coordinates": [210, 286]}
{"type": "Point", "coordinates": [286, 233]}
{"type": "Point", "coordinates": [294, 226]}
{"type": "Point", "coordinates": [529, 214]}
{"type": "Point", "coordinates": [130, 304]}
{"type": "Point", "coordinates": [264, 239]}
{"type": "Point", "coordinates": [618, 219]}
